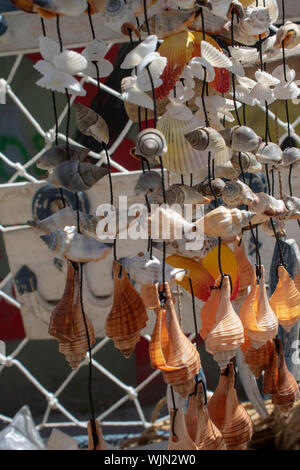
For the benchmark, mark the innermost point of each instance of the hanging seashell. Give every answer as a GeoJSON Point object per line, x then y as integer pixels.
{"type": "Point", "coordinates": [269, 153]}
{"type": "Point", "coordinates": [62, 7]}
{"type": "Point", "coordinates": [171, 351]}
{"type": "Point", "coordinates": [212, 188]}
{"type": "Point", "coordinates": [237, 428]}
{"type": "Point", "coordinates": [287, 35]}
{"type": "Point", "coordinates": [74, 246]}
{"type": "Point", "coordinates": [127, 316]}
{"type": "Point", "coordinates": [245, 267]}
{"type": "Point", "coordinates": [217, 403]}
{"type": "Point", "coordinates": [257, 316]}
{"type": "Point", "coordinates": [179, 247]}
{"type": "Point", "coordinates": [268, 206]}
{"type": "Point", "coordinates": [279, 227]}
{"type": "Point", "coordinates": [258, 358]}
{"type": "Point", "coordinates": [25, 5]}
{"type": "Point", "coordinates": [290, 156]}
{"type": "Point", "coordinates": [147, 183]}
{"type": "Point", "coordinates": [61, 153]}
{"type": "Point", "coordinates": [91, 124]}
{"type": "Point", "coordinates": [270, 376]}
{"type": "Point", "coordinates": [167, 224]}
{"type": "Point", "coordinates": [236, 193]}
{"type": "Point", "coordinates": [191, 416]}
{"type": "Point", "coordinates": [228, 332]}
{"type": "Point", "coordinates": [209, 310]}
{"type": "Point", "coordinates": [208, 436]}
{"type": "Point", "coordinates": [179, 438]}
{"type": "Point", "coordinates": [57, 221]}
{"type": "Point", "coordinates": [67, 324]}
{"type": "Point", "coordinates": [95, 426]}
{"type": "Point", "coordinates": [241, 138]}
{"type": "Point", "coordinates": [150, 144]}
{"type": "Point", "coordinates": [292, 204]}
{"type": "Point", "coordinates": [70, 62]}
{"type": "Point", "coordinates": [178, 194]}
{"type": "Point", "coordinates": [76, 176]}
{"type": "Point", "coordinates": [240, 161]}
{"type": "Point", "coordinates": [285, 300]}
{"type": "Point", "coordinates": [207, 138]}
{"type": "Point", "coordinates": [169, 23]}
{"type": "Point", "coordinates": [181, 158]}
{"type": "Point", "coordinates": [134, 57]}
{"type": "Point", "coordinates": [287, 387]}
{"type": "Point", "coordinates": [226, 223]}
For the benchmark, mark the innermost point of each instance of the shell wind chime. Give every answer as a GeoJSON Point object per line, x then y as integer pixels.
{"type": "Point", "coordinates": [202, 186]}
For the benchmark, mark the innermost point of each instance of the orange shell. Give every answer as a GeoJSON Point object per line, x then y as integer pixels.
{"type": "Point", "coordinates": [285, 300]}
{"type": "Point", "coordinates": [171, 351]}
{"type": "Point", "coordinates": [25, 5]}
{"type": "Point", "coordinates": [297, 280]}
{"type": "Point", "coordinates": [245, 267]}
{"type": "Point", "coordinates": [209, 310]}
{"type": "Point", "coordinates": [181, 440]}
{"type": "Point", "coordinates": [101, 445]}
{"type": "Point", "coordinates": [270, 377]}
{"type": "Point", "coordinates": [191, 417]}
{"type": "Point", "coordinates": [237, 429]}
{"type": "Point", "coordinates": [217, 403]}
{"type": "Point", "coordinates": [258, 359]}
{"type": "Point", "coordinates": [128, 315]}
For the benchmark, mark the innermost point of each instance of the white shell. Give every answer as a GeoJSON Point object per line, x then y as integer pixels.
{"type": "Point", "coordinates": [70, 62]}
{"type": "Point", "coordinates": [95, 50]}
{"type": "Point", "coordinates": [60, 81]}
{"type": "Point", "coordinates": [197, 64]}
{"type": "Point", "coordinates": [152, 66]}
{"type": "Point", "coordinates": [48, 48]}
{"type": "Point", "coordinates": [266, 79]}
{"type": "Point", "coordinates": [134, 57]}
{"type": "Point", "coordinates": [214, 56]}
{"type": "Point", "coordinates": [179, 111]}
{"type": "Point", "coordinates": [133, 94]}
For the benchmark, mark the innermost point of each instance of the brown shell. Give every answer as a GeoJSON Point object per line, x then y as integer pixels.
{"type": "Point", "coordinates": [25, 5]}
{"type": "Point", "coordinates": [179, 438]}
{"type": "Point", "coordinates": [171, 351]}
{"type": "Point", "coordinates": [237, 429]}
{"type": "Point", "coordinates": [128, 314]}
{"type": "Point", "coordinates": [271, 373]}
{"type": "Point", "coordinates": [191, 417]}
{"type": "Point", "coordinates": [258, 358]}
{"type": "Point", "coordinates": [100, 445]}
{"type": "Point", "coordinates": [297, 281]}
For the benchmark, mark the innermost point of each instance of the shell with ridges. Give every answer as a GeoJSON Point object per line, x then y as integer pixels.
{"type": "Point", "coordinates": [76, 176]}
{"type": "Point", "coordinates": [180, 440]}
{"type": "Point", "coordinates": [212, 188]}
{"type": "Point", "coordinates": [91, 124]}
{"type": "Point", "coordinates": [236, 193]}
{"type": "Point", "coordinates": [245, 267]}
{"type": "Point", "coordinates": [70, 62]}
{"type": "Point", "coordinates": [258, 358]}
{"type": "Point", "coordinates": [207, 138]}
{"type": "Point", "coordinates": [150, 144]}
{"type": "Point", "coordinates": [61, 153]}
{"type": "Point", "coordinates": [226, 223]}
{"type": "Point", "coordinates": [269, 153]}
{"type": "Point", "coordinates": [241, 138]}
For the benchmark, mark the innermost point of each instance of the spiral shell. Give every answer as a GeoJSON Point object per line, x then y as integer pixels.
{"type": "Point", "coordinates": [147, 183]}
{"type": "Point", "coordinates": [76, 176]}
{"type": "Point", "coordinates": [150, 144]}
{"type": "Point", "coordinates": [205, 138]}
{"type": "Point", "coordinates": [241, 138]}
{"type": "Point", "coordinates": [61, 153]}
{"type": "Point", "coordinates": [91, 124]}
{"type": "Point", "coordinates": [226, 223]}
{"type": "Point", "coordinates": [240, 161]}
{"type": "Point", "coordinates": [213, 188]}
{"type": "Point", "coordinates": [236, 193]}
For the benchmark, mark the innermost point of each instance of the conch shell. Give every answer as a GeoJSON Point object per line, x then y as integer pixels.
{"type": "Point", "coordinates": [76, 176]}
{"type": "Point", "coordinates": [67, 324]}
{"type": "Point", "coordinates": [236, 193]}
{"type": "Point", "coordinates": [259, 358]}
{"type": "Point", "coordinates": [245, 267]}
{"type": "Point", "coordinates": [91, 124]}
{"type": "Point", "coordinates": [61, 153]}
{"type": "Point", "coordinates": [285, 300]}
{"type": "Point", "coordinates": [228, 333]}
{"type": "Point", "coordinates": [209, 310]}
{"type": "Point", "coordinates": [171, 351]}
{"type": "Point", "coordinates": [217, 403]}
{"type": "Point", "coordinates": [226, 223]}
{"type": "Point", "coordinates": [179, 438]}
{"type": "Point", "coordinates": [128, 315]}
{"type": "Point", "coordinates": [267, 205]}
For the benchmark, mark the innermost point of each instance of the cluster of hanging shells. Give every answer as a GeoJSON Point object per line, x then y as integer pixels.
{"type": "Point", "coordinates": [183, 77]}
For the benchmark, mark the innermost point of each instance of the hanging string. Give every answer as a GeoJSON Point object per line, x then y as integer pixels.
{"type": "Point", "coordinates": [175, 411]}
{"type": "Point", "coordinates": [194, 316]}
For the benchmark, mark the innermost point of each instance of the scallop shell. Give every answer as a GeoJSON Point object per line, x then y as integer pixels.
{"type": "Point", "coordinates": [226, 223]}
{"type": "Point", "coordinates": [297, 281]}
{"type": "Point", "coordinates": [149, 70]}
{"type": "Point", "coordinates": [61, 153]}
{"type": "Point", "coordinates": [100, 444]}
{"type": "Point", "coordinates": [259, 320]}
{"type": "Point", "coordinates": [237, 428]}
{"type": "Point", "coordinates": [171, 351]}
{"type": "Point", "coordinates": [258, 358]}
{"type": "Point", "coordinates": [67, 324]}
{"type": "Point", "coordinates": [228, 332]}
{"type": "Point", "coordinates": [70, 62]}
{"type": "Point", "coordinates": [151, 143]}
{"type": "Point", "coordinates": [181, 158]}
{"type": "Point", "coordinates": [48, 48]}
{"type": "Point", "coordinates": [91, 124]}
{"type": "Point", "coordinates": [127, 316]}
{"type": "Point", "coordinates": [269, 153]}
{"type": "Point", "coordinates": [133, 95]}
{"type": "Point", "coordinates": [147, 183]}
{"type": "Point", "coordinates": [60, 81]}
{"type": "Point", "coordinates": [74, 246]}
{"type": "Point", "coordinates": [134, 57]}
{"type": "Point", "coordinates": [214, 56]}
{"type": "Point", "coordinates": [180, 440]}
{"type": "Point", "coordinates": [285, 300]}
{"type": "Point", "coordinates": [76, 176]}
{"type": "Point", "coordinates": [241, 138]}
{"type": "Point", "coordinates": [236, 193]}
{"type": "Point", "coordinates": [290, 156]}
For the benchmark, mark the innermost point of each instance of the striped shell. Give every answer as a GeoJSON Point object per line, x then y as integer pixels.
{"type": "Point", "coordinates": [236, 193]}
{"type": "Point", "coordinates": [76, 176]}
{"type": "Point", "coordinates": [150, 144]}
{"type": "Point", "coordinates": [91, 124]}
{"type": "Point", "coordinates": [59, 154]}
{"type": "Point", "coordinates": [241, 138]}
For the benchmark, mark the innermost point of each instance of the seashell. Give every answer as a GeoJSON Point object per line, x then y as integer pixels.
{"type": "Point", "coordinates": [217, 403]}
{"type": "Point", "coordinates": [133, 95]}
{"type": "Point", "coordinates": [240, 161]}
{"type": "Point", "coordinates": [147, 183]}
{"type": "Point", "coordinates": [258, 358]}
{"type": "Point", "coordinates": [116, 13]}
{"type": "Point", "coordinates": [214, 56]}
{"type": "Point", "coordinates": [236, 193]}
{"type": "Point", "coordinates": [256, 314]}
{"type": "Point", "coordinates": [255, 166]}
{"type": "Point", "coordinates": [127, 316]}
{"type": "Point", "coordinates": [255, 21]}
{"type": "Point", "coordinates": [207, 138]}
{"type": "Point", "coordinates": [70, 62]}
{"type": "Point", "coordinates": [100, 445]}
{"type": "Point", "coordinates": [226, 223]}
{"type": "Point", "coordinates": [285, 300]}
{"type": "Point", "coordinates": [297, 281]}
{"type": "Point", "coordinates": [191, 417]}
{"type": "Point", "coordinates": [181, 158]}
{"type": "Point", "coordinates": [279, 227]}
{"type": "Point", "coordinates": [48, 48]}
{"type": "Point", "coordinates": [167, 224]}
{"type": "Point", "coordinates": [208, 436]}
{"type": "Point", "coordinates": [212, 188]}
{"type": "Point", "coordinates": [149, 70]}
{"type": "Point", "coordinates": [74, 246]}
{"type": "Point", "coordinates": [134, 57]}
{"type": "Point", "coordinates": [245, 267]}
{"type": "Point", "coordinates": [209, 310]}
{"type": "Point", "coordinates": [76, 176]}
{"type": "Point", "coordinates": [151, 143]}
{"type": "Point", "coordinates": [62, 7]}
{"type": "Point", "coordinates": [178, 194]}
{"type": "Point", "coordinates": [287, 35]}
{"type": "Point", "coordinates": [168, 23]}
{"type": "Point", "coordinates": [228, 332]}
{"type": "Point", "coordinates": [57, 221]}
{"type": "Point", "coordinates": [241, 138]}
{"type": "Point", "coordinates": [292, 204]}
{"type": "Point", "coordinates": [96, 6]}
{"type": "Point", "coordinates": [171, 351]}
{"type": "Point", "coordinates": [179, 247]}
{"type": "Point", "coordinates": [268, 205]}
{"type": "Point", "coordinates": [268, 153]}
{"type": "Point", "coordinates": [61, 153]}
{"type": "Point", "coordinates": [91, 124]}
{"type": "Point", "coordinates": [57, 80]}
{"type": "Point", "coordinates": [179, 438]}
{"type": "Point", "coordinates": [67, 323]}
{"type": "Point", "coordinates": [287, 387]}
{"type": "Point", "coordinates": [237, 428]}
{"type": "Point", "coordinates": [271, 373]}
{"type": "Point", "coordinates": [25, 5]}
{"type": "Point", "coordinates": [290, 156]}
